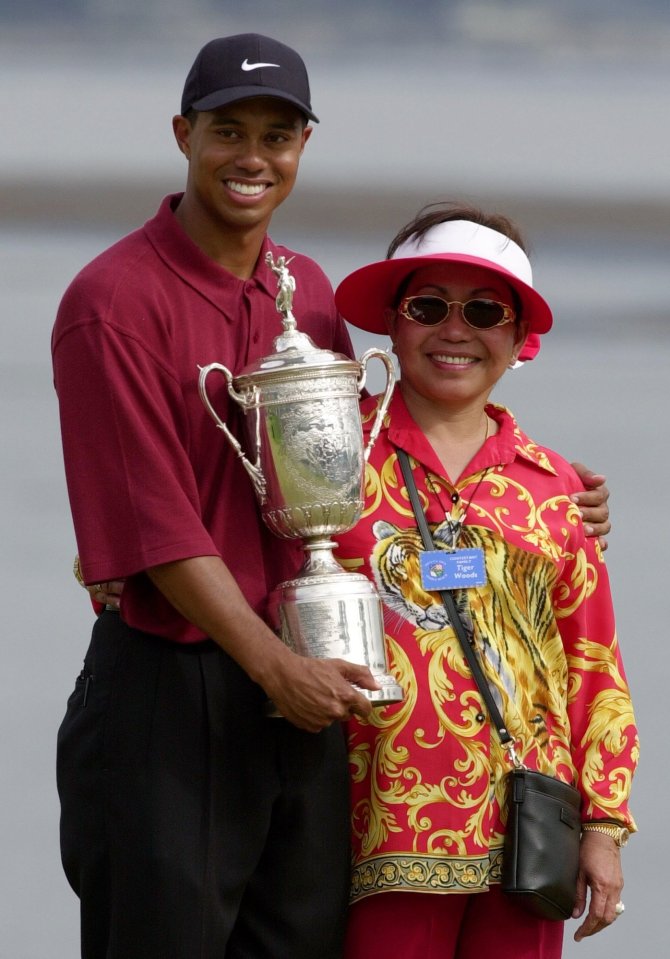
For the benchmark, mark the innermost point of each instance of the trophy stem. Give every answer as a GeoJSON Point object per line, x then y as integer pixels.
{"type": "Point", "coordinates": [319, 560]}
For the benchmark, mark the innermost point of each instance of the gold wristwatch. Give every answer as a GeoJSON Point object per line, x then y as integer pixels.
{"type": "Point", "coordinates": [618, 833]}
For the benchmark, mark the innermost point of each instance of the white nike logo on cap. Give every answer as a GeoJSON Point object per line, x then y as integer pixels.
{"type": "Point", "coordinates": [246, 66]}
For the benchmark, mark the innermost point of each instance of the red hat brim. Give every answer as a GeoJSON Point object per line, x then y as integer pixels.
{"type": "Point", "coordinates": [365, 295]}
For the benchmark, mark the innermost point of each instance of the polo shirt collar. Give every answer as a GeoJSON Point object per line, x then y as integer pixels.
{"type": "Point", "coordinates": [185, 258]}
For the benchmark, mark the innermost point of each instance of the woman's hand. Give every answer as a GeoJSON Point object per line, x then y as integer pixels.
{"type": "Point", "coordinates": [592, 503]}
{"type": "Point", "coordinates": [600, 872]}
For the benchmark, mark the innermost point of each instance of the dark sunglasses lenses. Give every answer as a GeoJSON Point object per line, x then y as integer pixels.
{"type": "Point", "coordinates": [432, 310]}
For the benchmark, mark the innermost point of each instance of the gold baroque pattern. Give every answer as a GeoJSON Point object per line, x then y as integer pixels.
{"type": "Point", "coordinates": [427, 777]}
{"type": "Point", "coordinates": [426, 874]}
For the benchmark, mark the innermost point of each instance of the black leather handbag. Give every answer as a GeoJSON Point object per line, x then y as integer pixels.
{"type": "Point", "coordinates": [541, 851]}
{"type": "Point", "coordinates": [543, 832]}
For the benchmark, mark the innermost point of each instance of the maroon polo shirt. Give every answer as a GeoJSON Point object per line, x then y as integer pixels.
{"type": "Point", "coordinates": [150, 478]}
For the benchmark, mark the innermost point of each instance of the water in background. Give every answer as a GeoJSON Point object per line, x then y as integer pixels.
{"type": "Point", "coordinates": [506, 98]}
{"type": "Point", "coordinates": [597, 393]}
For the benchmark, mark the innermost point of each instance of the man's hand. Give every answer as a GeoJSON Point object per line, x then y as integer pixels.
{"type": "Point", "coordinates": [313, 693]}
{"type": "Point", "coordinates": [107, 594]}
{"type": "Point", "coordinates": [600, 872]}
{"type": "Point", "coordinates": [593, 503]}
{"type": "Point", "coordinates": [102, 594]}
{"type": "Point", "coordinates": [310, 693]}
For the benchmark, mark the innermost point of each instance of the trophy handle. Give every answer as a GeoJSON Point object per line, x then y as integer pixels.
{"type": "Point", "coordinates": [388, 392]}
{"type": "Point", "coordinates": [253, 469]}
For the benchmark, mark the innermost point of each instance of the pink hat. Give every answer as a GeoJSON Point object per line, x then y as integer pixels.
{"type": "Point", "coordinates": [364, 295]}
{"type": "Point", "coordinates": [530, 348]}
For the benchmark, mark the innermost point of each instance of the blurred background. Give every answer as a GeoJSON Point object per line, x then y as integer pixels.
{"type": "Point", "coordinates": [552, 111]}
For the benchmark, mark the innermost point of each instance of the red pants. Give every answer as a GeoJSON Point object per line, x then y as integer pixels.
{"type": "Point", "coordinates": [442, 926]}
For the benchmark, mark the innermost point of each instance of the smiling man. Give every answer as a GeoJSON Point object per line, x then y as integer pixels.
{"type": "Point", "coordinates": [243, 161]}
{"type": "Point", "coordinates": [192, 825]}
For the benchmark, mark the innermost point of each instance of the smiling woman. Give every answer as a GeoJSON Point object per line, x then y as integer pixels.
{"type": "Point", "coordinates": [453, 353]}
{"type": "Point", "coordinates": [428, 776]}
{"type": "Point", "coordinates": [449, 369]}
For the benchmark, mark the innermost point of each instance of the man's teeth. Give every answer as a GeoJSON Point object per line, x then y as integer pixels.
{"type": "Point", "coordinates": [246, 189]}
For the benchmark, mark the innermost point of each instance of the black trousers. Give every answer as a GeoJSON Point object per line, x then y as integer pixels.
{"type": "Point", "coordinates": [192, 826]}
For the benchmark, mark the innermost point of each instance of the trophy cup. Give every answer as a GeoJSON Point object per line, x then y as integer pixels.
{"type": "Point", "coordinates": [303, 429]}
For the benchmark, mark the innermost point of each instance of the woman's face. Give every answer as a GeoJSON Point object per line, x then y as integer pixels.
{"type": "Point", "coordinates": [453, 364]}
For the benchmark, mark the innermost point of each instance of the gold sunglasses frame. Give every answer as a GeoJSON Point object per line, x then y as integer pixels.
{"type": "Point", "coordinates": [508, 316]}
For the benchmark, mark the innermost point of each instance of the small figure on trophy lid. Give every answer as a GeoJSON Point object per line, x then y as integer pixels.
{"type": "Point", "coordinates": [291, 337]}
{"type": "Point", "coordinates": [286, 286]}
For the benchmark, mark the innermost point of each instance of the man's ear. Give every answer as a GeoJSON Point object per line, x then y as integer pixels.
{"type": "Point", "coordinates": [181, 128]}
{"type": "Point", "coordinates": [306, 134]}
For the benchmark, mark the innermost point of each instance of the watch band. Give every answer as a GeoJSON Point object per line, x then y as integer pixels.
{"type": "Point", "coordinates": [618, 833]}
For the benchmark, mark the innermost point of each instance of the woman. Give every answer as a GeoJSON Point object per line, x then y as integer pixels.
{"type": "Point", "coordinates": [457, 300]}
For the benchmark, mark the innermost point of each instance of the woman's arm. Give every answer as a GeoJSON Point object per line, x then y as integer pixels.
{"type": "Point", "coordinates": [600, 872]}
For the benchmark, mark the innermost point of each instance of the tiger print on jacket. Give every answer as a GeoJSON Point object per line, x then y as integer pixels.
{"type": "Point", "coordinates": [514, 624]}
{"type": "Point", "coordinates": [428, 774]}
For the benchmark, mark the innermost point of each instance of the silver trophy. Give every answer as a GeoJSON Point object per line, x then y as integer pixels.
{"type": "Point", "coordinates": [307, 465]}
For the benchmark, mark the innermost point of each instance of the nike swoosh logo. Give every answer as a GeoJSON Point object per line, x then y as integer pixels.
{"type": "Point", "coordinates": [246, 66]}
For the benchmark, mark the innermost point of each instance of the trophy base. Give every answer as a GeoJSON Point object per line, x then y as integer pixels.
{"type": "Point", "coordinates": [336, 616]}
{"type": "Point", "coordinates": [390, 691]}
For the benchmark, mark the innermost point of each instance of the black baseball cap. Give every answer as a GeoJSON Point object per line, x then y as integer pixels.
{"type": "Point", "coordinates": [243, 66]}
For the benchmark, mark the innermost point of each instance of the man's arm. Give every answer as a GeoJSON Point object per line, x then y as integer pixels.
{"type": "Point", "coordinates": [592, 503]}
{"type": "Point", "coordinates": [310, 693]}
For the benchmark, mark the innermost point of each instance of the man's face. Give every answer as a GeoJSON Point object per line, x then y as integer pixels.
{"type": "Point", "coordinates": [243, 160]}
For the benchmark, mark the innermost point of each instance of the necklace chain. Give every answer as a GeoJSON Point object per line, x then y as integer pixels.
{"type": "Point", "coordinates": [454, 525]}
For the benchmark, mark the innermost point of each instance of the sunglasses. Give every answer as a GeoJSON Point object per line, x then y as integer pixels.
{"type": "Point", "coordinates": [433, 310]}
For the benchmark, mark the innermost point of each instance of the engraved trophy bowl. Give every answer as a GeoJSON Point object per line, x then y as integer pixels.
{"type": "Point", "coordinates": [307, 461]}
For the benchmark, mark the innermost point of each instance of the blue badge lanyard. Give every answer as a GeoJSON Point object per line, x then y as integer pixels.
{"type": "Point", "coordinates": [450, 605]}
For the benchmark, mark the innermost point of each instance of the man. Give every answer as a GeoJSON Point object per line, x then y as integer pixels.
{"type": "Point", "coordinates": [192, 824]}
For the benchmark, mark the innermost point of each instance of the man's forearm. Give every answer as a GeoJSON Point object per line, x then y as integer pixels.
{"type": "Point", "coordinates": [204, 591]}
{"type": "Point", "coordinates": [311, 693]}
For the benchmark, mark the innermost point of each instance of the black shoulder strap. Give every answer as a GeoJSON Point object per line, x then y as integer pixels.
{"type": "Point", "coordinates": [450, 605]}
